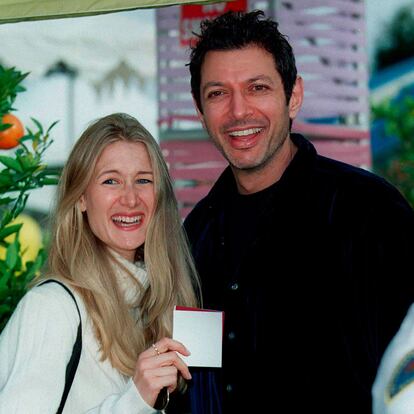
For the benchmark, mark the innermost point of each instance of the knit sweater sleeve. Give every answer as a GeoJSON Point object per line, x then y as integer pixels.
{"type": "Point", "coordinates": [129, 401]}
{"type": "Point", "coordinates": [35, 347]}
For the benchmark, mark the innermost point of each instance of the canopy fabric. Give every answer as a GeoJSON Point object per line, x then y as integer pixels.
{"type": "Point", "coordinates": [94, 46]}
{"type": "Point", "coordinates": [12, 11]}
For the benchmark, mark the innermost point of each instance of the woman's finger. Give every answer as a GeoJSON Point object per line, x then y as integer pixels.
{"type": "Point", "coordinates": [158, 366]}
{"type": "Point", "coordinates": [165, 345]}
{"type": "Point", "coordinates": [169, 344]}
{"type": "Point", "coordinates": [172, 358]}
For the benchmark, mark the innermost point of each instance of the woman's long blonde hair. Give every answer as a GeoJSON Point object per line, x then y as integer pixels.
{"type": "Point", "coordinates": [82, 261]}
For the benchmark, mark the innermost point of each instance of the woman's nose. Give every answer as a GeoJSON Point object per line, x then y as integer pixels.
{"type": "Point", "coordinates": [130, 196]}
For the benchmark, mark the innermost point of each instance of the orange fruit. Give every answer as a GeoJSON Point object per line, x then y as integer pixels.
{"type": "Point", "coordinates": [9, 138]}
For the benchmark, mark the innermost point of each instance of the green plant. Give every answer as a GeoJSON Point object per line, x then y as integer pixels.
{"type": "Point", "coordinates": [397, 41]}
{"type": "Point", "coordinates": [23, 171]}
{"type": "Point", "coordinates": [398, 117]}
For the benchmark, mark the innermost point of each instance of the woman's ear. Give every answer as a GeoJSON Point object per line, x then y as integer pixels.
{"type": "Point", "coordinates": [82, 203]}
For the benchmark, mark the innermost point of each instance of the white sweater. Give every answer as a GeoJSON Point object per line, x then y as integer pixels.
{"type": "Point", "coordinates": [35, 348]}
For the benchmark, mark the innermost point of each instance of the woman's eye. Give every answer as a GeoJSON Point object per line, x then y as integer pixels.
{"type": "Point", "coordinates": [143, 181]}
{"type": "Point", "coordinates": [110, 181]}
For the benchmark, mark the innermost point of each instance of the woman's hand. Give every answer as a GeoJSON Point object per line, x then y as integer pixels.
{"type": "Point", "coordinates": [158, 367]}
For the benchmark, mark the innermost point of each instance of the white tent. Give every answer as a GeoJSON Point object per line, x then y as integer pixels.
{"type": "Point", "coordinates": [22, 10]}
{"type": "Point", "coordinates": [101, 49]}
{"type": "Point", "coordinates": [94, 46]}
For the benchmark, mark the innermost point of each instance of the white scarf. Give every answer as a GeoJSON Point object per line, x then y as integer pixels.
{"type": "Point", "coordinates": [126, 284]}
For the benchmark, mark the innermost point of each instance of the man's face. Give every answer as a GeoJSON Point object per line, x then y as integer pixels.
{"type": "Point", "coordinates": [244, 106]}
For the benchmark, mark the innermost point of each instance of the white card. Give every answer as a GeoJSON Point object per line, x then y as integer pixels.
{"type": "Point", "coordinates": [201, 331]}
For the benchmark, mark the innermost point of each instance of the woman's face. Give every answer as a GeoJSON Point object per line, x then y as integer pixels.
{"type": "Point", "coordinates": [119, 200]}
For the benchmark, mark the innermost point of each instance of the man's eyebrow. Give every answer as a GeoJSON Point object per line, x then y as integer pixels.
{"type": "Point", "coordinates": [213, 84]}
{"type": "Point", "coordinates": [260, 78]}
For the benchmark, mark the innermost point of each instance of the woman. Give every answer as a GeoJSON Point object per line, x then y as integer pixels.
{"type": "Point", "coordinates": [117, 243]}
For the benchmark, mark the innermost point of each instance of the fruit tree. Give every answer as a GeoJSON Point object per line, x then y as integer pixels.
{"type": "Point", "coordinates": [22, 169]}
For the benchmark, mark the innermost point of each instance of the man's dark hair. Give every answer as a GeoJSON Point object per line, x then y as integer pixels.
{"type": "Point", "coordinates": [236, 30]}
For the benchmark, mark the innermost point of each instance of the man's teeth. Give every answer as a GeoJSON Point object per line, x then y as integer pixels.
{"type": "Point", "coordinates": [127, 220]}
{"type": "Point", "coordinates": [245, 132]}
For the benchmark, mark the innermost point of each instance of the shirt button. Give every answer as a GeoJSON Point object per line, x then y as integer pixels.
{"type": "Point", "coordinates": [231, 335]}
{"type": "Point", "coordinates": [229, 388]}
{"type": "Point", "coordinates": [234, 286]}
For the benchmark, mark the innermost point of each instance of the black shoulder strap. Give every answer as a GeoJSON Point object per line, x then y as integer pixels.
{"type": "Point", "coordinates": [76, 352]}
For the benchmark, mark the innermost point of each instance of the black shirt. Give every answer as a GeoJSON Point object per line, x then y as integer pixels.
{"type": "Point", "coordinates": [305, 285]}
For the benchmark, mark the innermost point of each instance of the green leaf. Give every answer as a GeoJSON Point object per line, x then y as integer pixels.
{"type": "Point", "coordinates": [10, 163]}
{"type": "Point", "coordinates": [51, 126]}
{"type": "Point", "coordinates": [5, 178]}
{"type": "Point", "coordinates": [50, 181]}
{"type": "Point", "coordinates": [5, 276]}
{"type": "Point", "coordinates": [26, 161]}
{"type": "Point", "coordinates": [38, 125]}
{"type": "Point", "coordinates": [6, 231]}
{"type": "Point", "coordinates": [4, 293]}
{"type": "Point", "coordinates": [6, 218]}
{"type": "Point", "coordinates": [12, 254]}
{"type": "Point", "coordinates": [6, 200]}
{"type": "Point", "coordinates": [3, 127]}
{"type": "Point", "coordinates": [34, 267]}
{"type": "Point", "coordinates": [4, 309]}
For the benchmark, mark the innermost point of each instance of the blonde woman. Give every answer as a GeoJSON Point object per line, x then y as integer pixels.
{"type": "Point", "coordinates": [118, 245]}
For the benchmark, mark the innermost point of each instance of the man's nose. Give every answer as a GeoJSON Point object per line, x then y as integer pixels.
{"type": "Point", "coordinates": [240, 106]}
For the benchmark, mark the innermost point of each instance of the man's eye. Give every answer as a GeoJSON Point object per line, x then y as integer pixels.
{"type": "Point", "coordinates": [214, 94]}
{"type": "Point", "coordinates": [260, 87]}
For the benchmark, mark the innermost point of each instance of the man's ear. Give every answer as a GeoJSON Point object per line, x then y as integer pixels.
{"type": "Point", "coordinates": [82, 203]}
{"type": "Point", "coordinates": [296, 99]}
{"type": "Point", "coordinates": [199, 114]}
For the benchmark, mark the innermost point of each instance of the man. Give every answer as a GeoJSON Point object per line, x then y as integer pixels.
{"type": "Point", "coordinates": [304, 254]}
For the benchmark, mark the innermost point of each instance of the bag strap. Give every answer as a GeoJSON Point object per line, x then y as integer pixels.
{"type": "Point", "coordinates": [73, 363]}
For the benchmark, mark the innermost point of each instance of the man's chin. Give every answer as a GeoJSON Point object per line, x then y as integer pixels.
{"type": "Point", "coordinates": [246, 166]}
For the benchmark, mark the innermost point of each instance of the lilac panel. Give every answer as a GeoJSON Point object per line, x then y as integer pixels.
{"type": "Point", "coordinates": [337, 20]}
{"type": "Point", "coordinates": [183, 87]}
{"type": "Point", "coordinates": [346, 73]}
{"type": "Point", "coordinates": [189, 154]}
{"type": "Point", "coordinates": [334, 35]}
{"type": "Point", "coordinates": [349, 6]}
{"type": "Point", "coordinates": [178, 72]}
{"type": "Point", "coordinates": [338, 90]}
{"type": "Point", "coordinates": [203, 175]}
{"type": "Point", "coordinates": [172, 105]}
{"type": "Point", "coordinates": [331, 53]}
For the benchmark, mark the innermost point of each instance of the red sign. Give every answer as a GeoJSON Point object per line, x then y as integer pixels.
{"type": "Point", "coordinates": [193, 14]}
